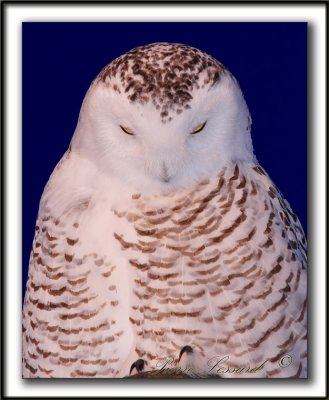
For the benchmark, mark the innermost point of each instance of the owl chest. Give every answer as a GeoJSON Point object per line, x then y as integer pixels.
{"type": "Point", "coordinates": [182, 267]}
{"type": "Point", "coordinates": [172, 262]}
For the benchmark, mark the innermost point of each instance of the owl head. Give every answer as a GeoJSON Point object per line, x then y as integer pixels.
{"type": "Point", "coordinates": [163, 116]}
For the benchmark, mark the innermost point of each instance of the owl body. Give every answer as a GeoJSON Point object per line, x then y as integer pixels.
{"type": "Point", "coordinates": [202, 271]}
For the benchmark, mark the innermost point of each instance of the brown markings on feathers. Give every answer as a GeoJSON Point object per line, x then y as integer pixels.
{"type": "Point", "coordinates": [145, 232]}
{"type": "Point", "coordinates": [195, 252]}
{"type": "Point", "coordinates": [142, 296]}
{"type": "Point", "coordinates": [274, 270]}
{"type": "Point", "coordinates": [179, 249]}
{"type": "Point", "coordinates": [259, 170]}
{"type": "Point", "coordinates": [272, 192]}
{"type": "Point", "coordinates": [236, 173]}
{"type": "Point", "coordinates": [78, 292]}
{"type": "Point", "coordinates": [230, 306]}
{"type": "Point", "coordinates": [68, 257]}
{"type": "Point", "coordinates": [68, 360]}
{"type": "Point", "coordinates": [273, 372]}
{"type": "Point", "coordinates": [54, 277]}
{"type": "Point", "coordinates": [72, 242]}
{"type": "Point", "coordinates": [99, 361]}
{"type": "Point", "coordinates": [265, 205]}
{"type": "Point", "coordinates": [245, 288]}
{"type": "Point", "coordinates": [97, 328]}
{"type": "Point", "coordinates": [52, 269]}
{"type": "Point", "coordinates": [264, 294]}
{"type": "Point", "coordinates": [78, 373]}
{"type": "Point", "coordinates": [141, 266]}
{"type": "Point", "coordinates": [208, 271]}
{"type": "Point", "coordinates": [140, 353]}
{"type": "Point", "coordinates": [33, 340]}
{"type": "Point", "coordinates": [57, 292]}
{"type": "Point", "coordinates": [286, 343]}
{"type": "Point", "coordinates": [277, 304]}
{"type": "Point", "coordinates": [77, 281]}
{"type": "Point", "coordinates": [203, 228]}
{"type": "Point", "coordinates": [53, 255]}
{"type": "Point", "coordinates": [161, 277]}
{"type": "Point", "coordinates": [301, 316]}
{"type": "Point", "coordinates": [186, 283]}
{"type": "Point", "coordinates": [44, 370]}
{"type": "Point", "coordinates": [181, 205]}
{"type": "Point", "coordinates": [160, 292]}
{"type": "Point", "coordinates": [242, 183]}
{"type": "Point", "coordinates": [269, 223]}
{"type": "Point", "coordinates": [248, 237]}
{"type": "Point", "coordinates": [159, 264]}
{"type": "Point", "coordinates": [108, 273]}
{"type": "Point", "coordinates": [159, 221]}
{"type": "Point", "coordinates": [50, 238]}
{"type": "Point", "coordinates": [227, 232]}
{"type": "Point", "coordinates": [93, 343]}
{"type": "Point", "coordinates": [84, 316]}
{"type": "Point", "coordinates": [214, 278]}
{"type": "Point", "coordinates": [209, 260]}
{"type": "Point", "coordinates": [243, 316]}
{"type": "Point", "coordinates": [268, 333]}
{"type": "Point", "coordinates": [30, 368]}
{"type": "Point", "coordinates": [243, 198]}
{"type": "Point", "coordinates": [203, 204]}
{"type": "Point", "coordinates": [251, 325]}
{"type": "Point", "coordinates": [191, 314]}
{"type": "Point", "coordinates": [175, 301]}
{"type": "Point", "coordinates": [46, 354]}
{"type": "Point", "coordinates": [135, 321]}
{"type": "Point", "coordinates": [68, 331]}
{"type": "Point", "coordinates": [246, 258]}
{"type": "Point", "coordinates": [51, 306]}
{"type": "Point", "coordinates": [155, 243]}
{"type": "Point", "coordinates": [268, 243]}
{"type": "Point", "coordinates": [124, 244]}
{"type": "Point", "coordinates": [254, 189]}
{"type": "Point", "coordinates": [185, 331]}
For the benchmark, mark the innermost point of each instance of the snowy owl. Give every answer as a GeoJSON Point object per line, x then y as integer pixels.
{"type": "Point", "coordinates": [160, 242]}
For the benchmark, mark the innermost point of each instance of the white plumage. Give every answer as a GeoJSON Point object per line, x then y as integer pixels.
{"type": "Point", "coordinates": [159, 237]}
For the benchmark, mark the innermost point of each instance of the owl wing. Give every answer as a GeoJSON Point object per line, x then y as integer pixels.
{"type": "Point", "coordinates": [284, 259]}
{"type": "Point", "coordinates": [292, 232]}
{"type": "Point", "coordinates": [72, 326]}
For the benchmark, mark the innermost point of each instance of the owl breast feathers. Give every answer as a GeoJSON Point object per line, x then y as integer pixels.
{"type": "Point", "coordinates": [219, 268]}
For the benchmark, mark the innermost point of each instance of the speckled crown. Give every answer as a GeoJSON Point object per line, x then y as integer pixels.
{"type": "Point", "coordinates": [163, 73]}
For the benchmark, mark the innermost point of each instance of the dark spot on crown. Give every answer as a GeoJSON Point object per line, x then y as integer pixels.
{"type": "Point", "coordinates": [215, 78]}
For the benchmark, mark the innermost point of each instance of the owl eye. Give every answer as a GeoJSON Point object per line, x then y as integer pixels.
{"type": "Point", "coordinates": [198, 128]}
{"type": "Point", "coordinates": [126, 130]}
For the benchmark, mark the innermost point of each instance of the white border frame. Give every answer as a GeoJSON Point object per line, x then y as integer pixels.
{"type": "Point", "coordinates": [15, 14]}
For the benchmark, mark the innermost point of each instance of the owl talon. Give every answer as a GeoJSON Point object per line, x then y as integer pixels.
{"type": "Point", "coordinates": [185, 349]}
{"type": "Point", "coordinates": [139, 365]}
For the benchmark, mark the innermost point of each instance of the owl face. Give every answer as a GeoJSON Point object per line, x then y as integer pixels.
{"type": "Point", "coordinates": [157, 146]}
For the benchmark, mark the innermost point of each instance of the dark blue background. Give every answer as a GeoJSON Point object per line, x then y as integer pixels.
{"type": "Point", "coordinates": [61, 59]}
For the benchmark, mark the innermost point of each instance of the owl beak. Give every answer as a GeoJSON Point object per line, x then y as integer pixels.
{"type": "Point", "coordinates": [165, 176]}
